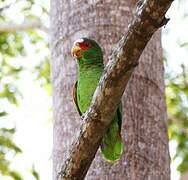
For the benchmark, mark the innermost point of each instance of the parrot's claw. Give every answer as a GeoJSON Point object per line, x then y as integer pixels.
{"type": "Point", "coordinates": [82, 117]}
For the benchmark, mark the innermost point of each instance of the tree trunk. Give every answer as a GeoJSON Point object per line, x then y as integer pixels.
{"type": "Point", "coordinates": [144, 131]}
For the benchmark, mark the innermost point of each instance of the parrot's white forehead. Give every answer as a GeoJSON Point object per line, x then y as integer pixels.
{"type": "Point", "coordinates": [79, 41]}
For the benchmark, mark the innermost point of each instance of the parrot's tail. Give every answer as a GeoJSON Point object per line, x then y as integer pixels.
{"type": "Point", "coordinates": [112, 145]}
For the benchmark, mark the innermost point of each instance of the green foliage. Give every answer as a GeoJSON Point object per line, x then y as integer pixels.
{"type": "Point", "coordinates": [13, 47]}
{"type": "Point", "coordinates": [177, 103]}
{"type": "Point", "coordinates": [176, 51]}
{"type": "Point", "coordinates": [35, 173]}
{"type": "Point", "coordinates": [3, 113]}
{"type": "Point", "coordinates": [7, 146]}
{"type": "Point", "coordinates": [43, 75]}
{"type": "Point", "coordinates": [10, 47]}
{"type": "Point", "coordinates": [11, 44]}
{"type": "Point", "coordinates": [6, 140]}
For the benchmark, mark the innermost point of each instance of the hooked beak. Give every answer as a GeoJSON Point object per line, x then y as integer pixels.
{"type": "Point", "coordinates": [76, 51]}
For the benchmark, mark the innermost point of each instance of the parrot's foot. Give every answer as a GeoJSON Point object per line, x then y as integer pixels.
{"type": "Point", "coordinates": [82, 117]}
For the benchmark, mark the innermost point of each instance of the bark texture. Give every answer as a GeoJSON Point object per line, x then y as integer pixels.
{"type": "Point", "coordinates": [144, 130]}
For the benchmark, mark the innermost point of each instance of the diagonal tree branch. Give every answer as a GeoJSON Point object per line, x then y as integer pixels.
{"type": "Point", "coordinates": [27, 25]}
{"type": "Point", "coordinates": [150, 16]}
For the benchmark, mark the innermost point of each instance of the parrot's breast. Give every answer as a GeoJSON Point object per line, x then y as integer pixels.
{"type": "Point", "coordinates": [87, 83]}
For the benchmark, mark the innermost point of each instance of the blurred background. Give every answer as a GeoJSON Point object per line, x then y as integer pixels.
{"type": "Point", "coordinates": [25, 89]}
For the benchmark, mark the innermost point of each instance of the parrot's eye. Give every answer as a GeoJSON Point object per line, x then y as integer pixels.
{"type": "Point", "coordinates": [87, 44]}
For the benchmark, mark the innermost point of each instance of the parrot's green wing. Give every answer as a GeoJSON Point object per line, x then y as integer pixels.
{"type": "Point", "coordinates": [74, 95]}
{"type": "Point", "coordinates": [112, 145]}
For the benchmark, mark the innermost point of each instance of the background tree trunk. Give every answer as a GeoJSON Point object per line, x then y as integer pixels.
{"type": "Point", "coordinates": [144, 131]}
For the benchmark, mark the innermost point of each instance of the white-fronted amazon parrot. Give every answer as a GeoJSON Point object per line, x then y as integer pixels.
{"type": "Point", "coordinates": [89, 58]}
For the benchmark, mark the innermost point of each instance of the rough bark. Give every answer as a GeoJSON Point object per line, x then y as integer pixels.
{"type": "Point", "coordinates": [144, 130]}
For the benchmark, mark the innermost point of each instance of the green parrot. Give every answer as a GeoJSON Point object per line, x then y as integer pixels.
{"type": "Point", "coordinates": [89, 58]}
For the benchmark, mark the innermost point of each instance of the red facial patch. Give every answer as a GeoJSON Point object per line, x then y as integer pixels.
{"type": "Point", "coordinates": [84, 45]}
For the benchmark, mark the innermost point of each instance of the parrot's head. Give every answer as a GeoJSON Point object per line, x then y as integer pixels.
{"type": "Point", "coordinates": [87, 51]}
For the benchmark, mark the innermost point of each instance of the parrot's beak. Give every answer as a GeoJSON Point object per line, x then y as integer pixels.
{"type": "Point", "coordinates": [76, 51]}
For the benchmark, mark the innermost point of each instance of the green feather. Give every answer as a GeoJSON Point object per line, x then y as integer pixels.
{"type": "Point", "coordinates": [90, 68]}
{"type": "Point", "coordinates": [112, 145]}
